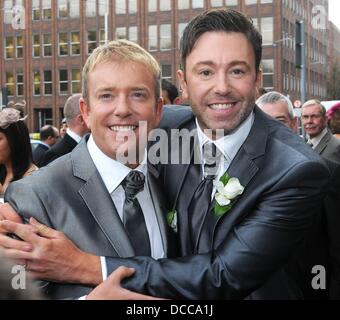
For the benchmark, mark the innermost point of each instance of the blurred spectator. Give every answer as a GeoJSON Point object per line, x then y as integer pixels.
{"type": "Point", "coordinates": [333, 115]}
{"type": "Point", "coordinates": [260, 92]}
{"type": "Point", "coordinates": [279, 107]}
{"type": "Point", "coordinates": [15, 148]}
{"type": "Point", "coordinates": [63, 128]}
{"type": "Point", "coordinates": [170, 93]}
{"type": "Point", "coordinates": [49, 135]}
{"type": "Point", "coordinates": [76, 129]}
{"type": "Point", "coordinates": [314, 121]}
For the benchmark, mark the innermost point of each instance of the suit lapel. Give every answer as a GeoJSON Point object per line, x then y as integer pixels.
{"type": "Point", "coordinates": [159, 204]}
{"type": "Point", "coordinates": [99, 202]}
{"type": "Point", "coordinates": [323, 143]}
{"type": "Point", "coordinates": [244, 167]}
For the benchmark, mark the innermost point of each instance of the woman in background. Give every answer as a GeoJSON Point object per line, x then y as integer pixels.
{"type": "Point", "coordinates": [15, 148]}
{"type": "Point", "coordinates": [333, 115]}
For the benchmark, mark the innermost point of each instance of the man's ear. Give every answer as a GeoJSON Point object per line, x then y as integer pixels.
{"type": "Point", "coordinates": [258, 79]}
{"type": "Point", "coordinates": [159, 110]}
{"type": "Point", "coordinates": [183, 85]}
{"type": "Point", "coordinates": [84, 111]}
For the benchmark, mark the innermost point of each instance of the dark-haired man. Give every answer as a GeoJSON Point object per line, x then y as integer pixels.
{"type": "Point", "coordinates": [49, 136]}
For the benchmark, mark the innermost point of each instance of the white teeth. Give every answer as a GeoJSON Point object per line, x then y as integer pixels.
{"type": "Point", "coordinates": [221, 106]}
{"type": "Point", "coordinates": [123, 128]}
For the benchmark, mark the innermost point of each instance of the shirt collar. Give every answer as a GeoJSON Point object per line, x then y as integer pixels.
{"type": "Point", "coordinates": [73, 135]}
{"type": "Point", "coordinates": [316, 140]}
{"type": "Point", "coordinates": [231, 143]}
{"type": "Point", "coordinates": [111, 171]}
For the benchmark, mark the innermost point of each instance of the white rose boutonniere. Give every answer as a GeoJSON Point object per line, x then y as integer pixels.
{"type": "Point", "coordinates": [227, 189]}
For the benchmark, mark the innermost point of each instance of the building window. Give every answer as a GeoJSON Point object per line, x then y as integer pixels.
{"type": "Point", "coordinates": [91, 41]}
{"type": "Point", "coordinates": [103, 7]}
{"type": "Point", "coordinates": [102, 37]}
{"type": "Point", "coordinates": [251, 2]}
{"type": "Point", "coordinates": [231, 2]}
{"type": "Point", "coordinates": [75, 43]}
{"type": "Point", "coordinates": [152, 38]}
{"type": "Point", "coordinates": [47, 45]}
{"type": "Point", "coordinates": [152, 5]}
{"type": "Point", "coordinates": [9, 49]}
{"type": "Point", "coordinates": [165, 37]}
{"type": "Point", "coordinates": [121, 33]}
{"type": "Point", "coordinates": [132, 6]}
{"type": "Point", "coordinates": [36, 83]}
{"type": "Point", "coordinates": [63, 44]}
{"type": "Point", "coordinates": [10, 84]}
{"type": "Point", "coordinates": [20, 84]}
{"type": "Point", "coordinates": [166, 71]}
{"type": "Point", "coordinates": [268, 73]}
{"type": "Point", "coordinates": [63, 82]}
{"type": "Point", "coordinates": [216, 3]}
{"type": "Point", "coordinates": [8, 14]}
{"type": "Point", "coordinates": [74, 9]}
{"type": "Point", "coordinates": [36, 45]}
{"type": "Point", "coordinates": [62, 9]}
{"type": "Point", "coordinates": [20, 47]}
{"type": "Point", "coordinates": [43, 117]}
{"type": "Point", "coordinates": [133, 34]}
{"type": "Point", "coordinates": [268, 1]}
{"type": "Point", "coordinates": [91, 9]}
{"type": "Point", "coordinates": [75, 81]}
{"type": "Point", "coordinates": [181, 27]}
{"type": "Point", "coordinates": [35, 10]}
{"type": "Point", "coordinates": [267, 30]}
{"type": "Point", "coordinates": [183, 4]}
{"type": "Point", "coordinates": [120, 6]}
{"type": "Point", "coordinates": [47, 82]}
{"type": "Point", "coordinates": [197, 4]}
{"type": "Point", "coordinates": [47, 9]}
{"type": "Point", "coordinates": [165, 5]}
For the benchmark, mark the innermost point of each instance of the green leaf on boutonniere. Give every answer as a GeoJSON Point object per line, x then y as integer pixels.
{"type": "Point", "coordinates": [219, 211]}
{"type": "Point", "coordinates": [225, 178]}
{"type": "Point", "coordinates": [171, 219]}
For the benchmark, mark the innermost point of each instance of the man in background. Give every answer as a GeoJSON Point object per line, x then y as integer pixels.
{"type": "Point", "coordinates": [76, 129]}
{"type": "Point", "coordinates": [314, 121]}
{"type": "Point", "coordinates": [49, 136]}
{"type": "Point", "coordinates": [279, 107]}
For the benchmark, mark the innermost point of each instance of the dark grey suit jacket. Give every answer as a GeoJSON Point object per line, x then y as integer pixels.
{"type": "Point", "coordinates": [329, 147]}
{"type": "Point", "coordinates": [258, 238]}
{"type": "Point", "coordinates": [70, 196]}
{"type": "Point", "coordinates": [64, 146]}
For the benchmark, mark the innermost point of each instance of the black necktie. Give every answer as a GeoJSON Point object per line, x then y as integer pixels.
{"type": "Point", "coordinates": [133, 217]}
{"type": "Point", "coordinates": [200, 202]}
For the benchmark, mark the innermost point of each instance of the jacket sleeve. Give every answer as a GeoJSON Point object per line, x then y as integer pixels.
{"type": "Point", "coordinates": [257, 247]}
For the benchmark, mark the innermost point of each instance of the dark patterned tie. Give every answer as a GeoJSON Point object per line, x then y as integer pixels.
{"type": "Point", "coordinates": [200, 202]}
{"type": "Point", "coordinates": [133, 217]}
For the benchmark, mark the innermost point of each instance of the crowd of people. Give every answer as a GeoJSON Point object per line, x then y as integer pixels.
{"type": "Point", "coordinates": [250, 220]}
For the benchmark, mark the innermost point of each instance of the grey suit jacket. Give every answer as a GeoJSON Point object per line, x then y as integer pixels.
{"type": "Point", "coordinates": [329, 147]}
{"type": "Point", "coordinates": [70, 196]}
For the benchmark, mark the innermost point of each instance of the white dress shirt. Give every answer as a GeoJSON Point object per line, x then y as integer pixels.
{"type": "Point", "coordinates": [113, 173]}
{"type": "Point", "coordinates": [73, 135]}
{"type": "Point", "coordinates": [228, 145]}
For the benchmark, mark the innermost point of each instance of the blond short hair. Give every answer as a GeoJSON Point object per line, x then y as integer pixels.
{"type": "Point", "coordinates": [123, 51]}
{"type": "Point", "coordinates": [313, 102]}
